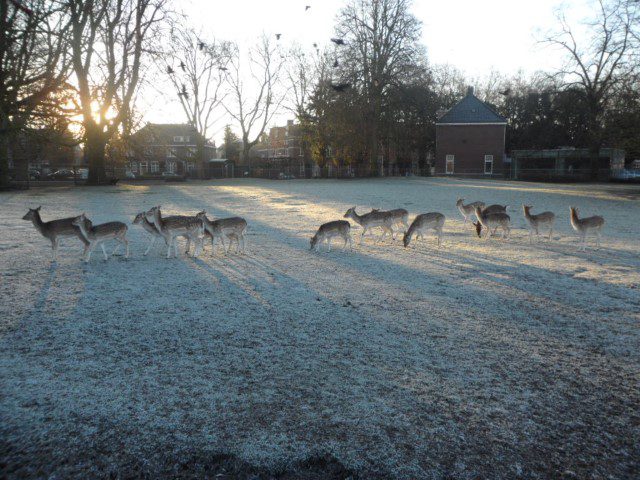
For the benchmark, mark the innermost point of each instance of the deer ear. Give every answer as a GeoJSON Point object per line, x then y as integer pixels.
{"type": "Point", "coordinates": [38, 209]}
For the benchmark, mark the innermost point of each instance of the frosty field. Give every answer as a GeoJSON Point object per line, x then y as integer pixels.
{"type": "Point", "coordinates": [490, 359]}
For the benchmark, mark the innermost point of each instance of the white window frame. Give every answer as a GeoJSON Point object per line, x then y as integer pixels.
{"type": "Point", "coordinates": [488, 159]}
{"type": "Point", "coordinates": [133, 167]}
{"type": "Point", "coordinates": [171, 152]}
{"type": "Point", "coordinates": [170, 167]}
{"type": "Point", "coordinates": [178, 139]}
{"type": "Point", "coordinates": [155, 166]}
{"type": "Point", "coordinates": [144, 168]}
{"type": "Point", "coordinates": [449, 158]}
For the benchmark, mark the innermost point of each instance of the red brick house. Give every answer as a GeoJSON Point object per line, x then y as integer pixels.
{"type": "Point", "coordinates": [171, 148]}
{"type": "Point", "coordinates": [470, 139]}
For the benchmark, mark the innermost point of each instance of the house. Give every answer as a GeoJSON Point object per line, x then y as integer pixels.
{"type": "Point", "coordinates": [564, 164]}
{"type": "Point", "coordinates": [470, 139]}
{"type": "Point", "coordinates": [281, 152]}
{"type": "Point", "coordinates": [167, 147]}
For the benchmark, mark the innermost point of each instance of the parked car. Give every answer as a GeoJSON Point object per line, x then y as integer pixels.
{"type": "Point", "coordinates": [82, 173]}
{"type": "Point", "coordinates": [34, 174]}
{"type": "Point", "coordinates": [173, 177]}
{"type": "Point", "coordinates": [129, 174]}
{"type": "Point", "coordinates": [62, 174]}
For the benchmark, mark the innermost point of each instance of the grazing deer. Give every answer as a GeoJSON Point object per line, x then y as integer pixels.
{"type": "Point", "coordinates": [327, 231]}
{"type": "Point", "coordinates": [55, 230]}
{"type": "Point", "coordinates": [177, 226]}
{"type": "Point", "coordinates": [492, 221]}
{"type": "Point", "coordinates": [467, 210]}
{"type": "Point", "coordinates": [490, 209]}
{"type": "Point", "coordinates": [544, 219]}
{"type": "Point", "coordinates": [98, 234]}
{"type": "Point", "coordinates": [229, 228]}
{"type": "Point", "coordinates": [150, 227]}
{"type": "Point", "coordinates": [585, 225]}
{"type": "Point", "coordinates": [374, 218]}
{"type": "Point", "coordinates": [422, 223]}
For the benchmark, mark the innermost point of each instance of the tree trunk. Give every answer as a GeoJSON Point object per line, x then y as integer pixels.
{"type": "Point", "coordinates": [201, 157]}
{"type": "Point", "coordinates": [95, 147]}
{"type": "Point", "coordinates": [246, 159]}
{"type": "Point", "coordinates": [4, 158]}
{"type": "Point", "coordinates": [594, 161]}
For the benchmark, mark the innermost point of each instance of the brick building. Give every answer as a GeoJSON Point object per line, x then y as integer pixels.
{"type": "Point", "coordinates": [281, 152]}
{"type": "Point", "coordinates": [470, 139]}
{"type": "Point", "coordinates": [171, 148]}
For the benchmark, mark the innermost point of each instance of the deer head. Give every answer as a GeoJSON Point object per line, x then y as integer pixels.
{"type": "Point", "coordinates": [32, 214]}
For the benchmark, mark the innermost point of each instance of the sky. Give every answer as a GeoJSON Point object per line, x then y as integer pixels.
{"type": "Point", "coordinates": [474, 36]}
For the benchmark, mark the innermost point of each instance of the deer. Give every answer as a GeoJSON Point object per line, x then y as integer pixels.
{"type": "Point", "coordinates": [229, 228]}
{"type": "Point", "coordinates": [54, 230]}
{"type": "Point", "coordinates": [492, 221]}
{"type": "Point", "coordinates": [422, 223]}
{"type": "Point", "coordinates": [585, 225]}
{"type": "Point", "coordinates": [142, 219]}
{"type": "Point", "coordinates": [374, 218]}
{"type": "Point", "coordinates": [467, 210]}
{"type": "Point", "coordinates": [330, 230]}
{"type": "Point", "coordinates": [544, 219]}
{"type": "Point", "coordinates": [495, 208]}
{"type": "Point", "coordinates": [399, 217]}
{"type": "Point", "coordinates": [177, 226]}
{"type": "Point", "coordinates": [98, 234]}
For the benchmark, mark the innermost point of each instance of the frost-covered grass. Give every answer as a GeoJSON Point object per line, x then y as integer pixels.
{"type": "Point", "coordinates": [494, 359]}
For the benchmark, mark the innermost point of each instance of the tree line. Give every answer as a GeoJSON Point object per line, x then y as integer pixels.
{"type": "Point", "coordinates": [370, 99]}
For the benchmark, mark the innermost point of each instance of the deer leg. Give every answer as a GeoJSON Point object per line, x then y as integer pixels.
{"type": "Point", "coordinates": [104, 252]}
{"type": "Point", "coordinates": [169, 245]}
{"type": "Point", "coordinates": [117, 247]}
{"type": "Point", "coordinates": [186, 252]}
{"type": "Point", "coordinates": [88, 257]}
{"type": "Point", "coordinates": [153, 240]}
{"type": "Point", "coordinates": [328, 241]}
{"type": "Point", "coordinates": [550, 233]}
{"type": "Point", "coordinates": [54, 249]}
{"type": "Point", "coordinates": [364, 230]}
{"type": "Point", "coordinates": [126, 244]}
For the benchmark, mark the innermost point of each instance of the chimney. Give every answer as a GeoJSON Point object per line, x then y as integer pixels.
{"type": "Point", "coordinates": [469, 90]}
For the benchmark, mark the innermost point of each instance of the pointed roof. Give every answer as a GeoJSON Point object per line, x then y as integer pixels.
{"type": "Point", "coordinates": [471, 110]}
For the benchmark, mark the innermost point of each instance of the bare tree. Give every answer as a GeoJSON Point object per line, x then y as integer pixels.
{"type": "Point", "coordinates": [110, 38]}
{"type": "Point", "coordinates": [381, 48]}
{"type": "Point", "coordinates": [196, 70]}
{"type": "Point", "coordinates": [594, 69]}
{"type": "Point", "coordinates": [254, 97]}
{"type": "Point", "coordinates": [302, 74]}
{"type": "Point", "coordinates": [33, 66]}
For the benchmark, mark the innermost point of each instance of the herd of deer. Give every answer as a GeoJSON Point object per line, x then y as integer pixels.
{"type": "Point", "coordinates": [196, 229]}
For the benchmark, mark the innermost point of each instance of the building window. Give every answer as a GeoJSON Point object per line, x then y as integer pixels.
{"type": "Point", "coordinates": [488, 164]}
{"type": "Point", "coordinates": [143, 168]}
{"type": "Point", "coordinates": [134, 167]}
{"type": "Point", "coordinates": [155, 166]}
{"type": "Point", "coordinates": [192, 152]}
{"type": "Point", "coordinates": [187, 139]}
{"type": "Point", "coordinates": [171, 167]}
{"type": "Point", "coordinates": [178, 139]}
{"type": "Point", "coordinates": [171, 153]}
{"type": "Point", "coordinates": [450, 159]}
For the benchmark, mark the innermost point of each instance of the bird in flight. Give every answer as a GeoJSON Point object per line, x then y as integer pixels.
{"type": "Point", "coordinates": [169, 70]}
{"type": "Point", "coordinates": [183, 93]}
{"type": "Point", "coordinates": [224, 69]}
{"type": "Point", "coordinates": [278, 35]}
{"type": "Point", "coordinates": [506, 93]}
{"type": "Point", "coordinates": [182, 66]}
{"type": "Point", "coordinates": [201, 45]}
{"type": "Point", "coordinates": [338, 41]}
{"type": "Point", "coordinates": [307, 7]}
{"type": "Point", "coordinates": [336, 64]}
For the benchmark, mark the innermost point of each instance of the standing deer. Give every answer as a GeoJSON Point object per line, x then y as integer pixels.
{"type": "Point", "coordinates": [490, 209]}
{"type": "Point", "coordinates": [374, 218]}
{"type": "Point", "coordinates": [177, 226]}
{"type": "Point", "coordinates": [467, 210]}
{"type": "Point", "coordinates": [330, 230]}
{"type": "Point", "coordinates": [399, 217]}
{"type": "Point", "coordinates": [55, 230]}
{"type": "Point", "coordinates": [150, 227]}
{"type": "Point", "coordinates": [492, 221]}
{"type": "Point", "coordinates": [544, 219]}
{"type": "Point", "coordinates": [585, 225]}
{"type": "Point", "coordinates": [422, 223]}
{"type": "Point", "coordinates": [229, 228]}
{"type": "Point", "coordinates": [98, 234]}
